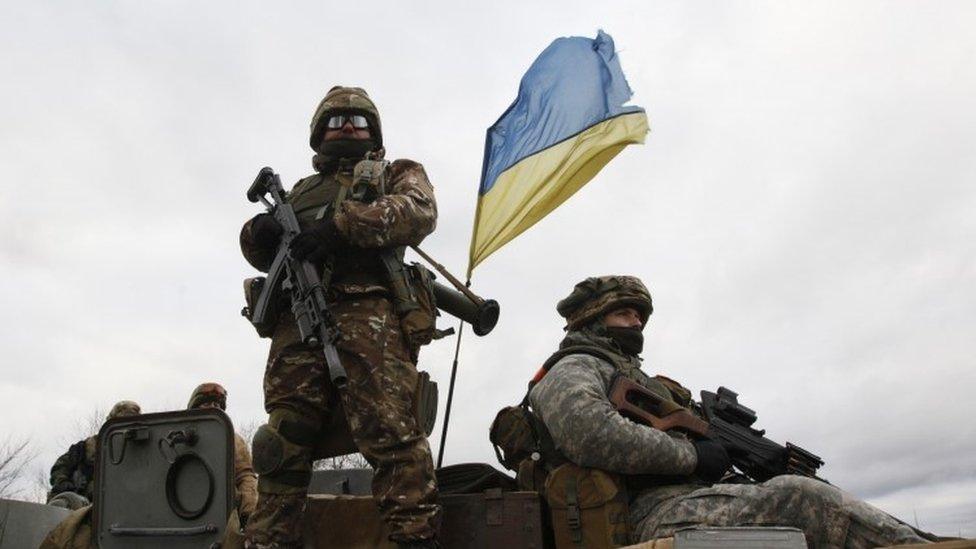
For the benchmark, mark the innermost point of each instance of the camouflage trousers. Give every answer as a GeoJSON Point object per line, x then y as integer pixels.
{"type": "Point", "coordinates": [378, 403]}
{"type": "Point", "coordinates": [828, 516]}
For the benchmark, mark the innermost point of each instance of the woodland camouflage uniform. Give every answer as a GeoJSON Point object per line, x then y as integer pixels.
{"type": "Point", "coordinates": [571, 399]}
{"type": "Point", "coordinates": [378, 359]}
{"type": "Point", "coordinates": [245, 479]}
{"type": "Point", "coordinates": [74, 471]}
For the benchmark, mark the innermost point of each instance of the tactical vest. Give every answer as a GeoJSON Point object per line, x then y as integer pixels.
{"type": "Point", "coordinates": [410, 287]}
{"type": "Point", "coordinates": [317, 197]}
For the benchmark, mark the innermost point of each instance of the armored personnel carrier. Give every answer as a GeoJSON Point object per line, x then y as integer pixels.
{"type": "Point", "coordinates": [166, 481]}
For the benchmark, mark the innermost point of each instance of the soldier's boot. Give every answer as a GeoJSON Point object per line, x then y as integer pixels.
{"type": "Point", "coordinates": [282, 451]}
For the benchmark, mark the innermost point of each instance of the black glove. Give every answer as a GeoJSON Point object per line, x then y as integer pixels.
{"type": "Point", "coordinates": [713, 460]}
{"type": "Point", "coordinates": [64, 486]}
{"type": "Point", "coordinates": [317, 243]}
{"type": "Point", "coordinates": [266, 231]}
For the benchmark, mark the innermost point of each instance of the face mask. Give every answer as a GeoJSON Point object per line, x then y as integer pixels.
{"type": "Point", "coordinates": [347, 148]}
{"type": "Point", "coordinates": [630, 340]}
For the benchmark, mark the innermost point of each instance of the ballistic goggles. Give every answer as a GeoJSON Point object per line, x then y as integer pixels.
{"type": "Point", "coordinates": [358, 121]}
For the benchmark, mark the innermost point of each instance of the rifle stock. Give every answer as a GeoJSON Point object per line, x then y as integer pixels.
{"type": "Point", "coordinates": [728, 422]}
{"type": "Point", "coordinates": [637, 403]}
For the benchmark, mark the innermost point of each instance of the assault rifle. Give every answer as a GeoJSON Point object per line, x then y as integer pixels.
{"type": "Point", "coordinates": [299, 278]}
{"type": "Point", "coordinates": [728, 422]}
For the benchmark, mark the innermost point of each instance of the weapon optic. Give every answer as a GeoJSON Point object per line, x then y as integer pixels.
{"type": "Point", "coordinates": [755, 455]}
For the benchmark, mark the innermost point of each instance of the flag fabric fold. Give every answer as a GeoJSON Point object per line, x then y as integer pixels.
{"type": "Point", "coordinates": [567, 122]}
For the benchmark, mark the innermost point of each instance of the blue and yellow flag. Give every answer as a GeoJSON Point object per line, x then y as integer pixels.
{"type": "Point", "coordinates": [567, 122]}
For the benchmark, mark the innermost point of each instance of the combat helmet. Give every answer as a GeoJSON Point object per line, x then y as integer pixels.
{"type": "Point", "coordinates": [598, 295]}
{"type": "Point", "coordinates": [342, 99]}
{"type": "Point", "coordinates": [124, 408]}
{"type": "Point", "coordinates": [206, 393]}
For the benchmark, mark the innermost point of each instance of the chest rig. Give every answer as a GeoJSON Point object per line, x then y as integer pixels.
{"type": "Point", "coordinates": [361, 270]}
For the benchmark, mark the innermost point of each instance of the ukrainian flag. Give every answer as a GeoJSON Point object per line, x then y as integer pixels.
{"type": "Point", "coordinates": [567, 122]}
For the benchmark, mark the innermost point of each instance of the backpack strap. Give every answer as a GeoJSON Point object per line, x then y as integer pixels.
{"type": "Point", "coordinates": [591, 350]}
{"type": "Point", "coordinates": [545, 446]}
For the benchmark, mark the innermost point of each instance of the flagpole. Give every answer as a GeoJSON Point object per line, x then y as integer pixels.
{"type": "Point", "coordinates": [450, 392]}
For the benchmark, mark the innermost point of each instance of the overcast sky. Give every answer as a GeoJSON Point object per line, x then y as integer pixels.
{"type": "Point", "coordinates": [802, 210]}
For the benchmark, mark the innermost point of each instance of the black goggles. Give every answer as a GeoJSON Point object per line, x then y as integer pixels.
{"type": "Point", "coordinates": [358, 121]}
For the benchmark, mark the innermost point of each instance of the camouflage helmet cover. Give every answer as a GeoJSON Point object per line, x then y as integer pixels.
{"type": "Point", "coordinates": [341, 99]}
{"type": "Point", "coordinates": [598, 295]}
{"type": "Point", "coordinates": [206, 393]}
{"type": "Point", "coordinates": [124, 408]}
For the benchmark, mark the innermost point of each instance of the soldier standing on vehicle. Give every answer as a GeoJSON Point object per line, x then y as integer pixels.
{"type": "Point", "coordinates": [213, 395]}
{"type": "Point", "coordinates": [671, 480]}
{"type": "Point", "coordinates": [73, 474]}
{"type": "Point", "coordinates": [376, 349]}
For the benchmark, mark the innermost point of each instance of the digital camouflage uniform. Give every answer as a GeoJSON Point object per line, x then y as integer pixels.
{"type": "Point", "coordinates": [572, 402]}
{"type": "Point", "coordinates": [74, 471]}
{"type": "Point", "coordinates": [245, 479]}
{"type": "Point", "coordinates": [379, 362]}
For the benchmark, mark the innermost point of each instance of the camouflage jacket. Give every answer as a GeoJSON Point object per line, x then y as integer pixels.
{"type": "Point", "coordinates": [245, 479]}
{"type": "Point", "coordinates": [571, 400]}
{"type": "Point", "coordinates": [404, 215]}
{"type": "Point", "coordinates": [74, 471]}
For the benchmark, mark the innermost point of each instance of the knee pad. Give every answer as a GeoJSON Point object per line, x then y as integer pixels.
{"type": "Point", "coordinates": [282, 452]}
{"type": "Point", "coordinates": [267, 450]}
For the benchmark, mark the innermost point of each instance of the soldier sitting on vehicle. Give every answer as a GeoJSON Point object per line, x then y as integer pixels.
{"type": "Point", "coordinates": [213, 395]}
{"type": "Point", "coordinates": [73, 474]}
{"type": "Point", "coordinates": [672, 480]}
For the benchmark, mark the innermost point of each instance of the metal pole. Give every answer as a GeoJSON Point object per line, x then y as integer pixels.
{"type": "Point", "coordinates": [450, 395]}
{"type": "Point", "coordinates": [463, 288]}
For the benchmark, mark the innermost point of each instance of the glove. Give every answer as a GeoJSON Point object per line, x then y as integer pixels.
{"type": "Point", "coordinates": [713, 460]}
{"type": "Point", "coordinates": [266, 231]}
{"type": "Point", "coordinates": [317, 243]}
{"type": "Point", "coordinates": [64, 486]}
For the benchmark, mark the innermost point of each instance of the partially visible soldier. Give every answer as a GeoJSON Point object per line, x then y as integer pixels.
{"type": "Point", "coordinates": [213, 395]}
{"type": "Point", "coordinates": [73, 474]}
{"type": "Point", "coordinates": [378, 348]}
{"type": "Point", "coordinates": [673, 481]}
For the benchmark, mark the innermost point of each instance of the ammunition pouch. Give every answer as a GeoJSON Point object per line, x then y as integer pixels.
{"type": "Point", "coordinates": [588, 506]}
{"type": "Point", "coordinates": [252, 291]}
{"type": "Point", "coordinates": [419, 321]}
{"type": "Point", "coordinates": [425, 403]}
{"type": "Point", "coordinates": [523, 444]}
{"type": "Point", "coordinates": [513, 437]}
